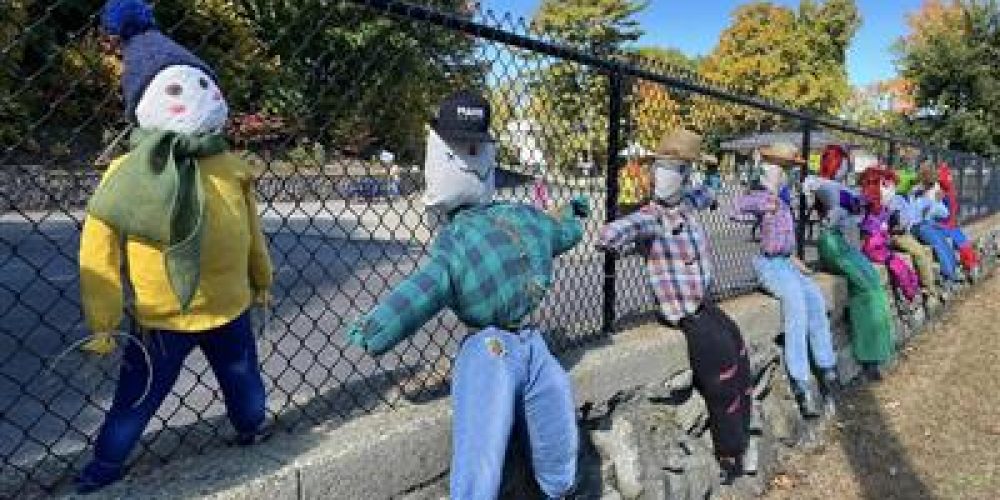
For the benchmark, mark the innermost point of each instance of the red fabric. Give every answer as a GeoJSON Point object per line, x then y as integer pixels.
{"type": "Point", "coordinates": [947, 183]}
{"type": "Point", "coordinates": [831, 161]}
{"type": "Point", "coordinates": [969, 257]}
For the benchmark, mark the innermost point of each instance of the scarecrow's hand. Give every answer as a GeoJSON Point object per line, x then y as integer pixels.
{"type": "Point", "coordinates": [581, 206]}
{"type": "Point", "coordinates": [355, 335]}
{"type": "Point", "coordinates": [101, 344]}
{"type": "Point", "coordinates": [810, 183]}
{"type": "Point", "coordinates": [262, 298]}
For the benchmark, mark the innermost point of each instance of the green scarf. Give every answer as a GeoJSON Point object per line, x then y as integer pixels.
{"type": "Point", "coordinates": [156, 194]}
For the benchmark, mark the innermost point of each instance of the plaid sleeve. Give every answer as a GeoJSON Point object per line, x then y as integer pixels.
{"type": "Point", "coordinates": [637, 226]}
{"type": "Point", "coordinates": [753, 203]}
{"type": "Point", "coordinates": [410, 305]}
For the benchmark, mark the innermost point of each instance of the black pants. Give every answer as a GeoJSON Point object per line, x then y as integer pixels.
{"type": "Point", "coordinates": [721, 368]}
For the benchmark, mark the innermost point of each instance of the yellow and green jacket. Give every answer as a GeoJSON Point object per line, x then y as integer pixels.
{"type": "Point", "coordinates": [235, 264]}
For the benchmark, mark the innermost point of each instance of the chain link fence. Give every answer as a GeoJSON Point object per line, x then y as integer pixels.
{"type": "Point", "coordinates": [318, 88]}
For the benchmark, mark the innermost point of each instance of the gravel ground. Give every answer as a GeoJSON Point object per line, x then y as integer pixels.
{"type": "Point", "coordinates": [931, 429]}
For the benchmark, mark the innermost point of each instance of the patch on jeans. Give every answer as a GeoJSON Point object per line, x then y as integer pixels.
{"type": "Point", "coordinates": [495, 346]}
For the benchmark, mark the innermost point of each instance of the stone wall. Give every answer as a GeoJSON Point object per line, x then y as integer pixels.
{"type": "Point", "coordinates": [644, 428]}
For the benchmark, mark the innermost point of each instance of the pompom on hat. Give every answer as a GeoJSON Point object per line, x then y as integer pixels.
{"type": "Point", "coordinates": [145, 50]}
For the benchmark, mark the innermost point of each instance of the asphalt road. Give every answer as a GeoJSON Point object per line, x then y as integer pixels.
{"type": "Point", "coordinates": [332, 259]}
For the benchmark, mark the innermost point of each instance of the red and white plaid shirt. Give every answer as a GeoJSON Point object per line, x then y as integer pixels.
{"type": "Point", "coordinates": [676, 248]}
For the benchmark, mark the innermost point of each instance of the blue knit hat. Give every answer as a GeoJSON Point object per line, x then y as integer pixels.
{"type": "Point", "coordinates": [145, 50]}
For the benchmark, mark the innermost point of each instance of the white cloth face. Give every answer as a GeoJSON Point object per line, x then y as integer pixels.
{"type": "Point", "coordinates": [669, 181]}
{"type": "Point", "coordinates": [773, 177]}
{"type": "Point", "coordinates": [458, 173]}
{"type": "Point", "coordinates": [887, 192]}
{"type": "Point", "coordinates": [183, 99]}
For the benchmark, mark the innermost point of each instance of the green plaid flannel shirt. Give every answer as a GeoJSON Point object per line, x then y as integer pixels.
{"type": "Point", "coordinates": [491, 265]}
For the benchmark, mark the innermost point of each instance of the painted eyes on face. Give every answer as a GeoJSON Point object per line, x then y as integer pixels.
{"type": "Point", "coordinates": [176, 89]}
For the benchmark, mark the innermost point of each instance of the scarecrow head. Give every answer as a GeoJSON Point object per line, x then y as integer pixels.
{"type": "Point", "coordinates": [165, 86]}
{"type": "Point", "coordinates": [674, 160]}
{"type": "Point", "coordinates": [460, 161]}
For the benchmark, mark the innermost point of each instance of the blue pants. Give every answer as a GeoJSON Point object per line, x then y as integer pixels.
{"type": "Point", "coordinates": [232, 353]}
{"type": "Point", "coordinates": [803, 312]}
{"type": "Point", "coordinates": [956, 235]}
{"type": "Point", "coordinates": [505, 381]}
{"type": "Point", "coordinates": [934, 237]}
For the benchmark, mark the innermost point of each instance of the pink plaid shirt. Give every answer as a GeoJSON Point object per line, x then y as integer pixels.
{"type": "Point", "coordinates": [678, 257]}
{"type": "Point", "coordinates": [777, 227]}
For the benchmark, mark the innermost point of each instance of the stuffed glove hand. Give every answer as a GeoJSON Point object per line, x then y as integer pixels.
{"type": "Point", "coordinates": [101, 344]}
{"type": "Point", "coordinates": [581, 206]}
{"type": "Point", "coordinates": [812, 183]}
{"type": "Point", "coordinates": [262, 298]}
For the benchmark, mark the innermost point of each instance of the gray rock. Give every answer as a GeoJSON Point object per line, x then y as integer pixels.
{"type": "Point", "coordinates": [692, 415]}
{"type": "Point", "coordinates": [618, 446]}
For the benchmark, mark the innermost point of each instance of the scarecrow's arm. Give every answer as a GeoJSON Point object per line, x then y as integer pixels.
{"type": "Point", "coordinates": [100, 275]}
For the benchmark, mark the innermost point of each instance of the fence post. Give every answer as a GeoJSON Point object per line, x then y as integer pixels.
{"type": "Point", "coordinates": [800, 227]}
{"type": "Point", "coordinates": [611, 202]}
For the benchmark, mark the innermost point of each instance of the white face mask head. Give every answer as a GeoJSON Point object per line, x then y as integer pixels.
{"type": "Point", "coordinates": [183, 99]}
{"type": "Point", "coordinates": [887, 192]}
{"type": "Point", "coordinates": [773, 177]}
{"type": "Point", "coordinates": [669, 181]}
{"type": "Point", "coordinates": [458, 173]}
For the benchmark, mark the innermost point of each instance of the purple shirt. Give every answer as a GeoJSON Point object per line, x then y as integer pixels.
{"type": "Point", "coordinates": [777, 226]}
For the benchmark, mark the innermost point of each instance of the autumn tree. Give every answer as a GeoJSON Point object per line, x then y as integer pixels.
{"type": "Point", "coordinates": [795, 57]}
{"type": "Point", "coordinates": [656, 109]}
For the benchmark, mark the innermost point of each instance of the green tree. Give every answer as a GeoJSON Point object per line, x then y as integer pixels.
{"type": "Point", "coordinates": [950, 56]}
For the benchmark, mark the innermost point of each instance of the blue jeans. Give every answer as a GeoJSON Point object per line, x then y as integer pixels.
{"type": "Point", "coordinates": [803, 311]}
{"type": "Point", "coordinates": [505, 381]}
{"type": "Point", "coordinates": [931, 235]}
{"type": "Point", "coordinates": [232, 353]}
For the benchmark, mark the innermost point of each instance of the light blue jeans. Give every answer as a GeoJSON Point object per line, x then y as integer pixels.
{"type": "Point", "coordinates": [505, 381]}
{"type": "Point", "coordinates": [804, 314]}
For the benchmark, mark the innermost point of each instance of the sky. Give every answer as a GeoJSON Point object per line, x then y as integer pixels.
{"type": "Point", "coordinates": [694, 26]}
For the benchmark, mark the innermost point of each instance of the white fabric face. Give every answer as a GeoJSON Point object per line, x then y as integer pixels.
{"type": "Point", "coordinates": [183, 99]}
{"type": "Point", "coordinates": [455, 176]}
{"type": "Point", "coordinates": [887, 192]}
{"type": "Point", "coordinates": [773, 177]}
{"type": "Point", "coordinates": [668, 181]}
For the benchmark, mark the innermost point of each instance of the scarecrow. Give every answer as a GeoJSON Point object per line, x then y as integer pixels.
{"type": "Point", "coordinates": [784, 276]}
{"type": "Point", "coordinates": [179, 209]}
{"type": "Point", "coordinates": [927, 207]}
{"type": "Point", "coordinates": [491, 263]}
{"type": "Point", "coordinates": [679, 265]}
{"type": "Point", "coordinates": [868, 304]}
{"type": "Point", "coordinates": [878, 188]}
{"type": "Point", "coordinates": [966, 252]}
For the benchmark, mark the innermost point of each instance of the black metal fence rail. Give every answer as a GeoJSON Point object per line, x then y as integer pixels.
{"type": "Point", "coordinates": [342, 228]}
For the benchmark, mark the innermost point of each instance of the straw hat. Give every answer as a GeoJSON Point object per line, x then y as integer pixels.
{"type": "Point", "coordinates": [782, 153]}
{"type": "Point", "coordinates": [679, 145]}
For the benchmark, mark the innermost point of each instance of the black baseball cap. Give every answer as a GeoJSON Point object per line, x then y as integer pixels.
{"type": "Point", "coordinates": [464, 116]}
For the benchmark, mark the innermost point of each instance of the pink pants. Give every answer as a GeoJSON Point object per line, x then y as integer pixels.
{"type": "Point", "coordinates": [876, 247]}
